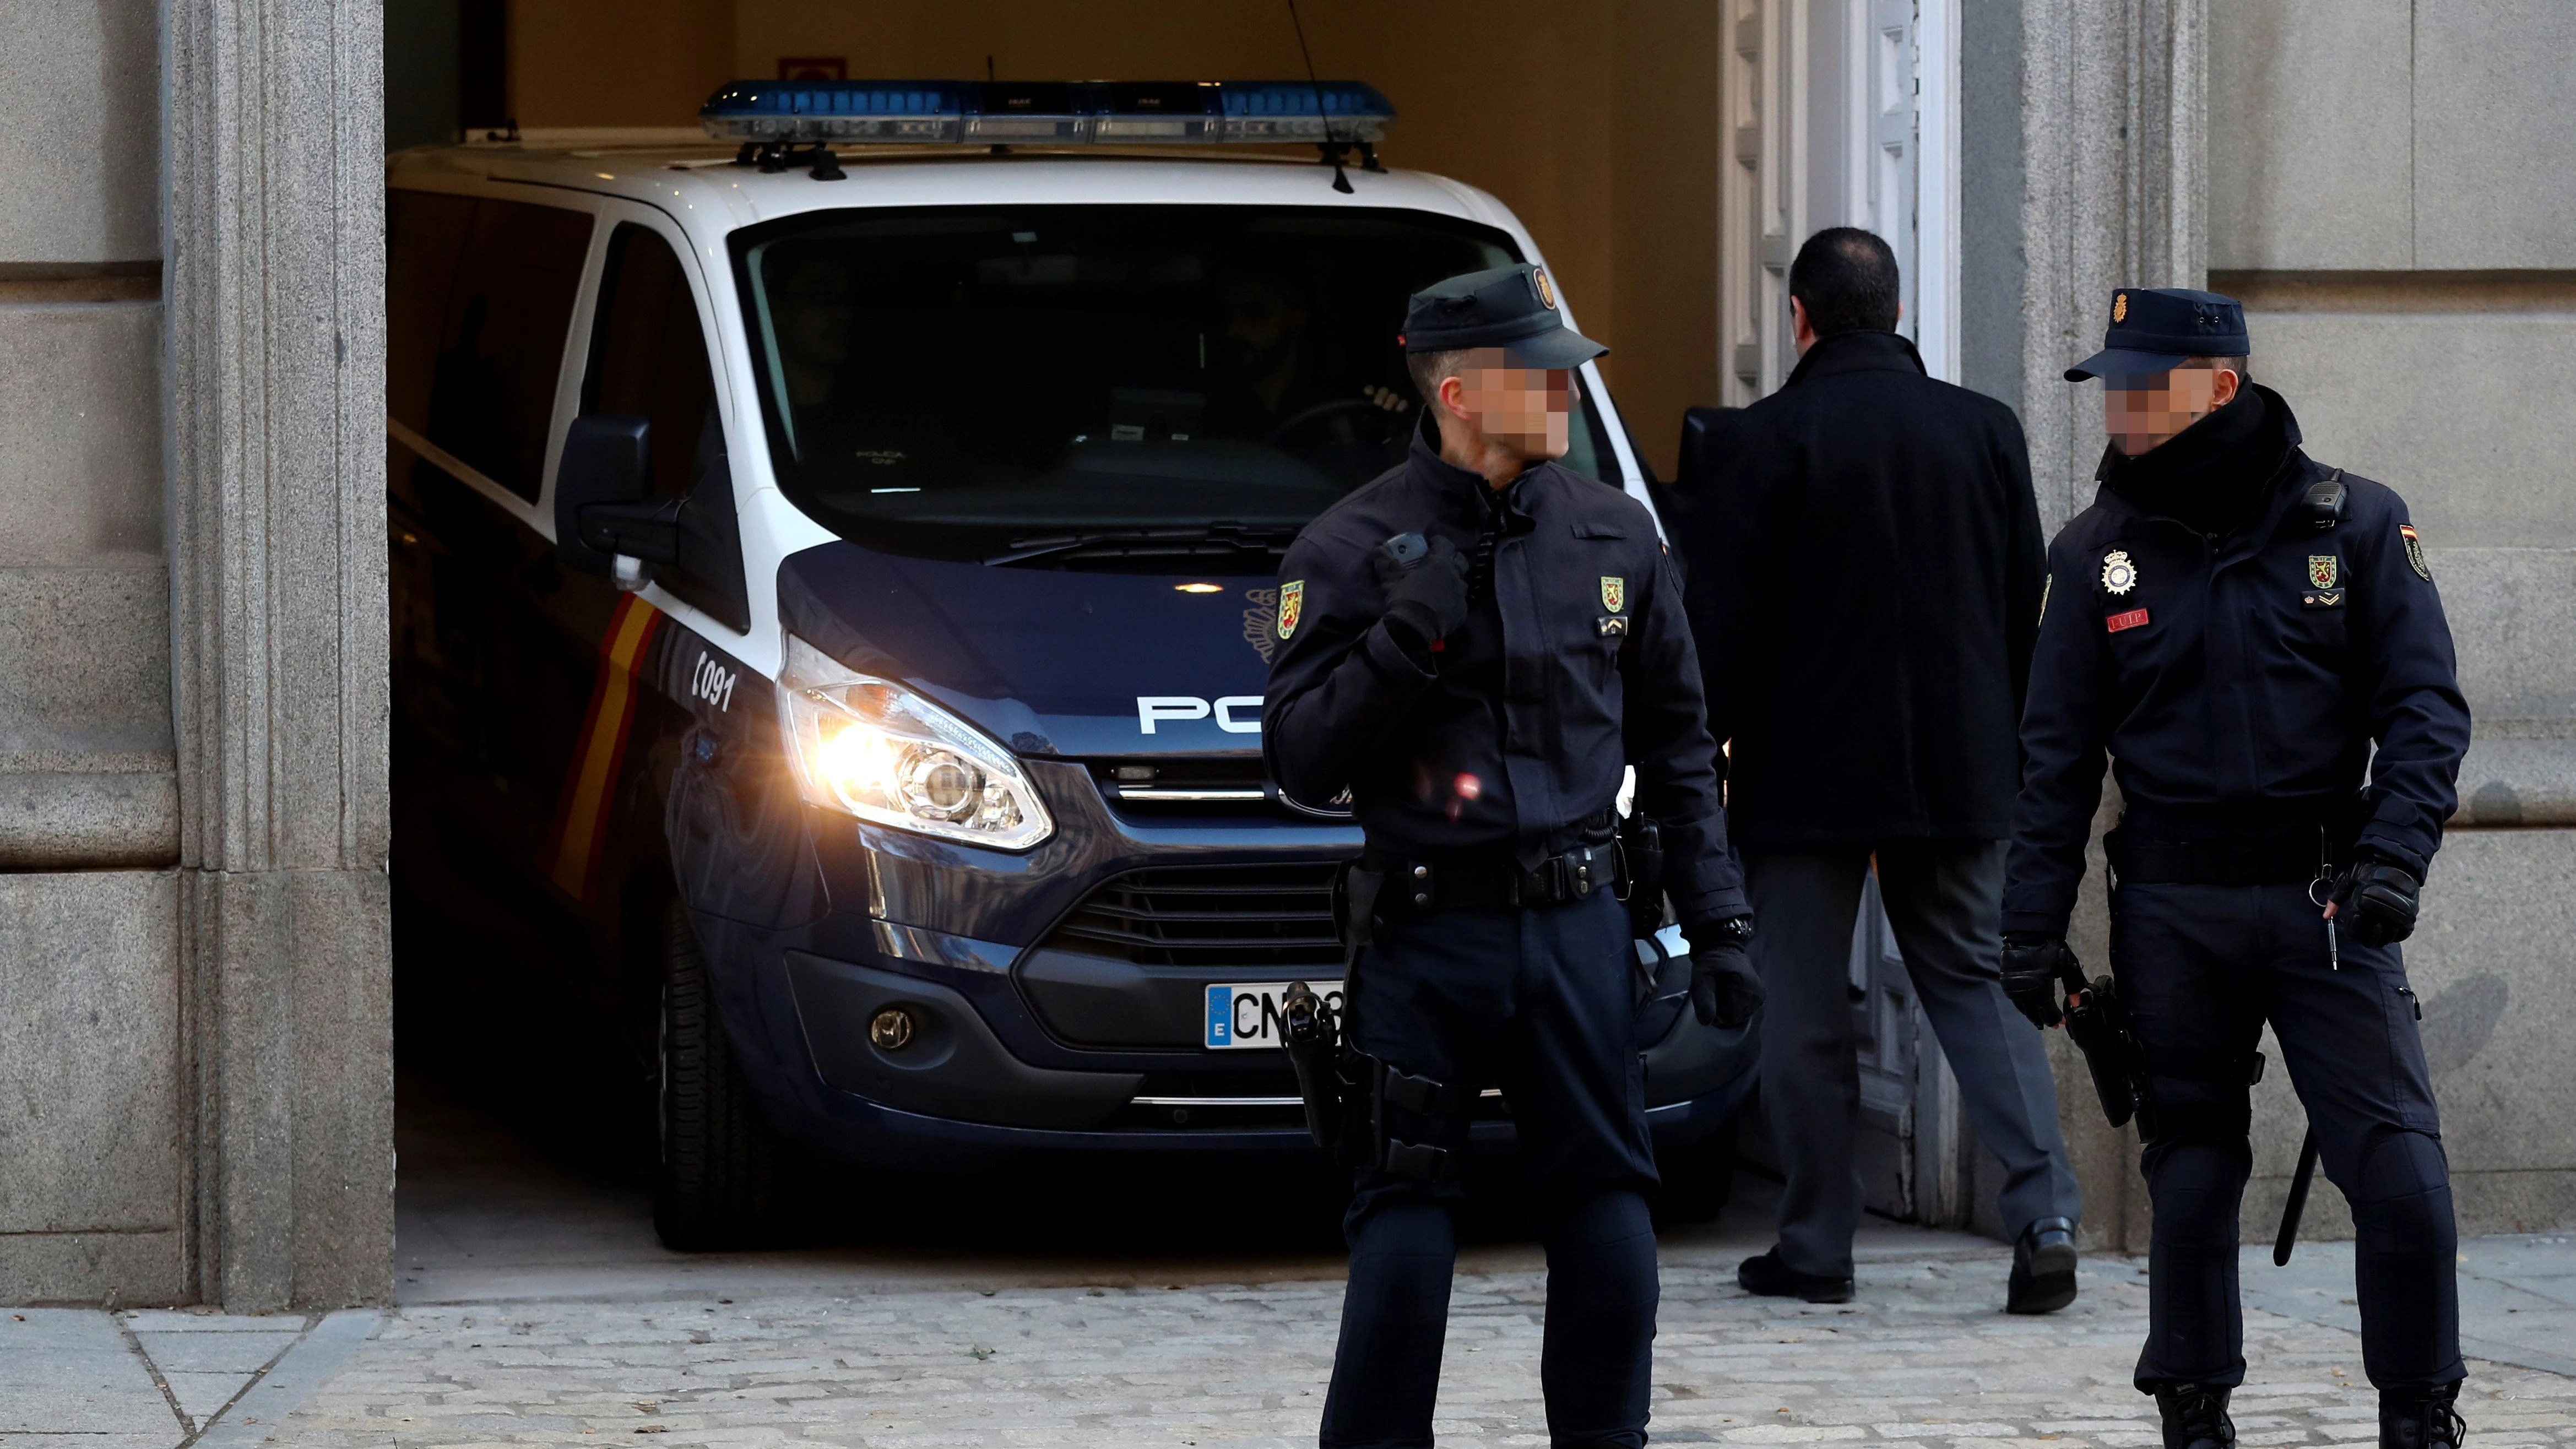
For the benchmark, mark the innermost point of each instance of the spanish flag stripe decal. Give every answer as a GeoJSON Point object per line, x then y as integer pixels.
{"type": "Point", "coordinates": [601, 746]}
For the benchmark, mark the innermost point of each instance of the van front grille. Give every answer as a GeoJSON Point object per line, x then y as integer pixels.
{"type": "Point", "coordinates": [1254, 917]}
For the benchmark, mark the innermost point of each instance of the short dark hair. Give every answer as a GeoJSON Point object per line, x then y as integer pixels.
{"type": "Point", "coordinates": [1847, 279]}
{"type": "Point", "coordinates": [2237, 365]}
{"type": "Point", "coordinates": [1428, 368]}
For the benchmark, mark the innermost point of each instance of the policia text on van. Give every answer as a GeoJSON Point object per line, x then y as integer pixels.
{"type": "Point", "coordinates": [868, 757]}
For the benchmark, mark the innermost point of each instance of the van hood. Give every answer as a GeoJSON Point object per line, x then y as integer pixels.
{"type": "Point", "coordinates": [1048, 661]}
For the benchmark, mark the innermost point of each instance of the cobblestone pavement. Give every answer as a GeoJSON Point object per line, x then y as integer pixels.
{"type": "Point", "coordinates": [1923, 1359]}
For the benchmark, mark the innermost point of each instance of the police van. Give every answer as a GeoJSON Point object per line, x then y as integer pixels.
{"type": "Point", "coordinates": [833, 584]}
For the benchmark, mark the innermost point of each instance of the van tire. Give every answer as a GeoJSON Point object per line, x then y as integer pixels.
{"type": "Point", "coordinates": [1698, 1178]}
{"type": "Point", "coordinates": [717, 1184]}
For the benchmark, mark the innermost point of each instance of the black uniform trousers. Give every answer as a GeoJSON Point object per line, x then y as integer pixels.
{"type": "Point", "coordinates": [2201, 968]}
{"type": "Point", "coordinates": [1540, 1002]}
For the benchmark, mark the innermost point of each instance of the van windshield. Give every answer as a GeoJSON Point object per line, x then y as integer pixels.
{"type": "Point", "coordinates": [1149, 388]}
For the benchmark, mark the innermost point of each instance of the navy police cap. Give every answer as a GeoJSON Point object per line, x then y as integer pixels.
{"type": "Point", "coordinates": [1513, 308]}
{"type": "Point", "coordinates": [2155, 329]}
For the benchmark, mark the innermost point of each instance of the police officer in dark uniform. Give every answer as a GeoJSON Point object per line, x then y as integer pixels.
{"type": "Point", "coordinates": [2239, 626]}
{"type": "Point", "coordinates": [1475, 645]}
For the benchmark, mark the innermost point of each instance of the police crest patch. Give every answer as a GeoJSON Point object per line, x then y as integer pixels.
{"type": "Point", "coordinates": [2119, 575]}
{"type": "Point", "coordinates": [2415, 552]}
{"type": "Point", "coordinates": [1614, 593]}
{"type": "Point", "coordinates": [2119, 308]}
{"type": "Point", "coordinates": [1292, 602]}
{"type": "Point", "coordinates": [1546, 289]}
{"type": "Point", "coordinates": [2322, 569]}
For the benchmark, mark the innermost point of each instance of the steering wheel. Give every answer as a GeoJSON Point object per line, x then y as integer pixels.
{"type": "Point", "coordinates": [1344, 414]}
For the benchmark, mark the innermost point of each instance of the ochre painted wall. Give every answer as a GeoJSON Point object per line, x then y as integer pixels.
{"type": "Point", "coordinates": [1594, 120]}
{"type": "Point", "coordinates": [617, 62]}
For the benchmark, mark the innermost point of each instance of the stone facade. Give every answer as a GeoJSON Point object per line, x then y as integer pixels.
{"type": "Point", "coordinates": [192, 657]}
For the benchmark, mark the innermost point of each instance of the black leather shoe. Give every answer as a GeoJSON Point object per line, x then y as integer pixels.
{"type": "Point", "coordinates": [2196, 1417]}
{"type": "Point", "coordinates": [1771, 1278]}
{"type": "Point", "coordinates": [2043, 1272]}
{"type": "Point", "coordinates": [2421, 1419]}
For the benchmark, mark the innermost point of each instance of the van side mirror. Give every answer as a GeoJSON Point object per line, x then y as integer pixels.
{"type": "Point", "coordinates": [606, 518]}
{"type": "Point", "coordinates": [1704, 433]}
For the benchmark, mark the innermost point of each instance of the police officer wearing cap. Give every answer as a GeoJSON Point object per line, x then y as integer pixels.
{"type": "Point", "coordinates": [1474, 646]}
{"type": "Point", "coordinates": [2255, 640]}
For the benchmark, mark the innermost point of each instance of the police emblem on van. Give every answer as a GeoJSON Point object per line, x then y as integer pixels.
{"type": "Point", "coordinates": [1614, 593]}
{"type": "Point", "coordinates": [2321, 570]}
{"type": "Point", "coordinates": [1292, 601]}
{"type": "Point", "coordinates": [1260, 620]}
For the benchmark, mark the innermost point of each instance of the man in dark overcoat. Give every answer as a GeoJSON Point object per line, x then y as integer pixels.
{"type": "Point", "coordinates": [1864, 582]}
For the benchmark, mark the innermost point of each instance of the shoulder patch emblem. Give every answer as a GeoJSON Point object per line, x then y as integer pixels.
{"type": "Point", "coordinates": [2119, 575]}
{"type": "Point", "coordinates": [1614, 593]}
{"type": "Point", "coordinates": [2322, 570]}
{"type": "Point", "coordinates": [2047, 586]}
{"type": "Point", "coordinates": [1292, 602]}
{"type": "Point", "coordinates": [2415, 552]}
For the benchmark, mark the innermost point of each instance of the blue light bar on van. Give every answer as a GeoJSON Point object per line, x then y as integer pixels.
{"type": "Point", "coordinates": [1047, 112]}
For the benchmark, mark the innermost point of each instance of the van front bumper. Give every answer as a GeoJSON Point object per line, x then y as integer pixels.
{"type": "Point", "coordinates": [946, 1090]}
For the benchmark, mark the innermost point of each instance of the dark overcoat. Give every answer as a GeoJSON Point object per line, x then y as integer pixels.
{"type": "Point", "coordinates": [1864, 575]}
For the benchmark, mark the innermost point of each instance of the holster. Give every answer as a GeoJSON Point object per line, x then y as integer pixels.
{"type": "Point", "coordinates": [1314, 1041]}
{"type": "Point", "coordinates": [1369, 1086]}
{"type": "Point", "coordinates": [2099, 1027]}
{"type": "Point", "coordinates": [1355, 893]}
{"type": "Point", "coordinates": [1641, 873]}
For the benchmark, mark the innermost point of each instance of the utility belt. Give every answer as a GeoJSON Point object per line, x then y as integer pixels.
{"type": "Point", "coordinates": [2287, 851]}
{"type": "Point", "coordinates": [1413, 884]}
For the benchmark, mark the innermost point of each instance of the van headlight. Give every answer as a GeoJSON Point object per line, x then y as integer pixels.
{"type": "Point", "coordinates": [871, 748]}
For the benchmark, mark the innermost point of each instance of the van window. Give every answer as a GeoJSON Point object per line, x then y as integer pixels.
{"type": "Point", "coordinates": [480, 304]}
{"type": "Point", "coordinates": [993, 382]}
{"type": "Point", "coordinates": [648, 359]}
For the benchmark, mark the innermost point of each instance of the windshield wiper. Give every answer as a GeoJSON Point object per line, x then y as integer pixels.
{"type": "Point", "coordinates": [1190, 541]}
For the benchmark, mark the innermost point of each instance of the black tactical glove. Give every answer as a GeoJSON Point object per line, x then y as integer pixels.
{"type": "Point", "coordinates": [2032, 969]}
{"type": "Point", "coordinates": [2375, 899]}
{"type": "Point", "coordinates": [1427, 602]}
{"type": "Point", "coordinates": [1724, 989]}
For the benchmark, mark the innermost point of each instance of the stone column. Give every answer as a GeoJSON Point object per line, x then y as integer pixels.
{"type": "Point", "coordinates": [275, 240]}
{"type": "Point", "coordinates": [2112, 196]}
{"type": "Point", "coordinates": [2084, 155]}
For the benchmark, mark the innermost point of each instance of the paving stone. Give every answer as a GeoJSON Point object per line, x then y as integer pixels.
{"type": "Point", "coordinates": [1923, 1360]}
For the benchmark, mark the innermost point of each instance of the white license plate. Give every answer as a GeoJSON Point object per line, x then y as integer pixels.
{"type": "Point", "coordinates": [1247, 1016]}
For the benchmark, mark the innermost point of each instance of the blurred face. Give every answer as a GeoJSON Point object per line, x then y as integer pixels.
{"type": "Point", "coordinates": [813, 314]}
{"type": "Point", "coordinates": [2142, 410]}
{"type": "Point", "coordinates": [1526, 411]}
{"type": "Point", "coordinates": [1263, 324]}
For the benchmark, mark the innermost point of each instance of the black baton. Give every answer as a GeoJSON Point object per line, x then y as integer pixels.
{"type": "Point", "coordinates": [2298, 1202]}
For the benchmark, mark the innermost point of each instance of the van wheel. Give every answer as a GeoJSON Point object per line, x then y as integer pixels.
{"type": "Point", "coordinates": [718, 1180]}
{"type": "Point", "coordinates": [1698, 1179]}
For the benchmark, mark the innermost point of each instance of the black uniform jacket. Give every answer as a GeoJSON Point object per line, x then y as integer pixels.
{"type": "Point", "coordinates": [1574, 663]}
{"type": "Point", "coordinates": [2236, 682]}
{"type": "Point", "coordinates": [1864, 569]}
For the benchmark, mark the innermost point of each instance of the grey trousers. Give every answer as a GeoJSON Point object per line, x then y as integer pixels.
{"type": "Point", "coordinates": [1945, 900]}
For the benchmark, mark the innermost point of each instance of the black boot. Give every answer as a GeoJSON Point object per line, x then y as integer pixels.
{"type": "Point", "coordinates": [2421, 1419]}
{"type": "Point", "coordinates": [2043, 1271]}
{"type": "Point", "coordinates": [2196, 1417]}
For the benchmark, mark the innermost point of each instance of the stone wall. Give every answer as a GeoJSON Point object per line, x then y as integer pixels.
{"type": "Point", "coordinates": [192, 712]}
{"type": "Point", "coordinates": [94, 1170]}
{"type": "Point", "coordinates": [2386, 198]}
